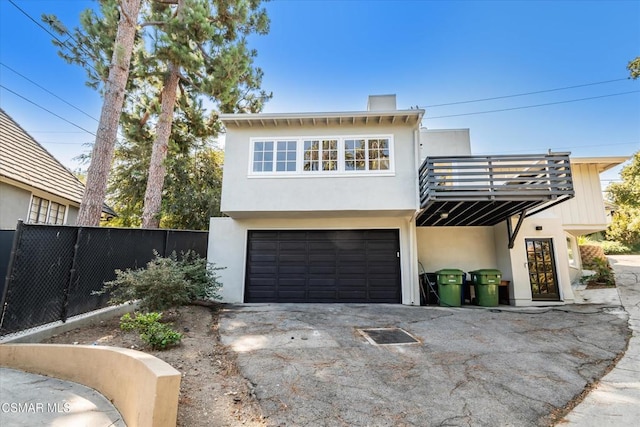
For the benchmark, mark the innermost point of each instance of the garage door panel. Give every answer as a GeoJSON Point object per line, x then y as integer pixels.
{"type": "Point", "coordinates": [292, 270]}
{"type": "Point", "coordinates": [263, 270]}
{"type": "Point", "coordinates": [266, 245]}
{"type": "Point", "coordinates": [322, 258]}
{"type": "Point", "coordinates": [323, 266]}
{"type": "Point", "coordinates": [293, 246]}
{"type": "Point", "coordinates": [352, 296]}
{"type": "Point", "coordinates": [292, 258]}
{"type": "Point", "coordinates": [322, 295]}
{"type": "Point", "coordinates": [359, 269]}
{"type": "Point", "coordinates": [322, 269]}
{"type": "Point", "coordinates": [321, 282]}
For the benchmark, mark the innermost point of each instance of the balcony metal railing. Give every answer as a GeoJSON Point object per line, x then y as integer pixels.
{"type": "Point", "coordinates": [541, 177]}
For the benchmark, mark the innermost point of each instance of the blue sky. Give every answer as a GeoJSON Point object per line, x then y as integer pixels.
{"type": "Point", "coordinates": [329, 55]}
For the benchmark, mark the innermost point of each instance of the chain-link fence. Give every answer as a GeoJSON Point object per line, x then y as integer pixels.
{"type": "Point", "coordinates": [53, 270]}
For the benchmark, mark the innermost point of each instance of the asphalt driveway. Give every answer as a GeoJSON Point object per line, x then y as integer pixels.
{"type": "Point", "coordinates": [310, 365]}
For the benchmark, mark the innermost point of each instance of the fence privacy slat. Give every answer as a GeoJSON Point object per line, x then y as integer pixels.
{"type": "Point", "coordinates": [55, 269]}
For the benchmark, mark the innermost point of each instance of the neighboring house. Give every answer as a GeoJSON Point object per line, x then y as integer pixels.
{"type": "Point", "coordinates": [34, 186]}
{"type": "Point", "coordinates": [354, 206]}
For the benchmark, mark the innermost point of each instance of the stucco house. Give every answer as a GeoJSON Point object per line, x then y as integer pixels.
{"type": "Point", "coordinates": [34, 185]}
{"type": "Point", "coordinates": [354, 206]}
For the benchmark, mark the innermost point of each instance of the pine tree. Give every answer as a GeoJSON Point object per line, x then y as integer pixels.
{"type": "Point", "coordinates": [184, 50]}
{"type": "Point", "coordinates": [116, 42]}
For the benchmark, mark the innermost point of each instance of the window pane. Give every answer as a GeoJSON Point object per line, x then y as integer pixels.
{"type": "Point", "coordinates": [61, 212]}
{"type": "Point", "coordinates": [311, 155]}
{"type": "Point", "coordinates": [354, 154]}
{"type": "Point", "coordinates": [286, 156]}
{"type": "Point", "coordinates": [263, 156]}
{"type": "Point", "coordinates": [329, 155]}
{"type": "Point", "coordinates": [34, 209]}
{"type": "Point", "coordinates": [44, 207]}
{"type": "Point", "coordinates": [378, 154]}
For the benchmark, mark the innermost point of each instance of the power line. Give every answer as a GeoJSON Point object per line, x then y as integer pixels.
{"type": "Point", "coordinates": [80, 46]}
{"type": "Point", "coordinates": [48, 91]}
{"type": "Point", "coordinates": [523, 94]}
{"type": "Point", "coordinates": [48, 111]}
{"type": "Point", "coordinates": [554, 148]}
{"type": "Point", "coordinates": [65, 143]}
{"type": "Point", "coordinates": [532, 106]}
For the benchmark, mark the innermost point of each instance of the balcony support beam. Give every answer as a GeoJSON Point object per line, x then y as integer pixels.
{"type": "Point", "coordinates": [514, 233]}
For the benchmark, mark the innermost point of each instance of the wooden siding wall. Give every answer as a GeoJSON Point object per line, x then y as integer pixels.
{"type": "Point", "coordinates": [587, 207]}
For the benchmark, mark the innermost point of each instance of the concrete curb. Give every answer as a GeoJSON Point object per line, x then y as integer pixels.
{"type": "Point", "coordinates": [41, 333]}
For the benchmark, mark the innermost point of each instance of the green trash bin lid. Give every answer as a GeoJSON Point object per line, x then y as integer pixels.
{"type": "Point", "coordinates": [487, 272]}
{"type": "Point", "coordinates": [450, 272]}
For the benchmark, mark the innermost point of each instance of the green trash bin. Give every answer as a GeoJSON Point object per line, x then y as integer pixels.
{"type": "Point", "coordinates": [485, 285]}
{"type": "Point", "coordinates": [450, 287]}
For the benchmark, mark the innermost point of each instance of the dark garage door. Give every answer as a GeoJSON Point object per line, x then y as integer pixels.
{"type": "Point", "coordinates": [323, 266]}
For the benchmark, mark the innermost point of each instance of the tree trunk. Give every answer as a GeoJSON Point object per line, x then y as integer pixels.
{"type": "Point", "coordinates": [102, 153]}
{"type": "Point", "coordinates": [157, 168]}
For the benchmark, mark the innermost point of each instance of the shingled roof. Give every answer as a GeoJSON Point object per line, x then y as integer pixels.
{"type": "Point", "coordinates": [24, 160]}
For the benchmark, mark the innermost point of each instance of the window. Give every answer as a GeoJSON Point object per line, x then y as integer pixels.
{"type": "Point", "coordinates": [570, 253]}
{"type": "Point", "coordinates": [321, 155]}
{"type": "Point", "coordinates": [330, 156]}
{"type": "Point", "coordinates": [355, 155]}
{"type": "Point", "coordinates": [378, 154]}
{"type": "Point", "coordinates": [279, 156]}
{"type": "Point", "coordinates": [42, 211]}
{"type": "Point", "coordinates": [286, 156]}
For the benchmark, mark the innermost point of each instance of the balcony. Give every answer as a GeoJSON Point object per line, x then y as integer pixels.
{"type": "Point", "coordinates": [485, 190]}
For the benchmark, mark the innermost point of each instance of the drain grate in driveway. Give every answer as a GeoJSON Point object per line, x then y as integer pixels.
{"type": "Point", "coordinates": [388, 336]}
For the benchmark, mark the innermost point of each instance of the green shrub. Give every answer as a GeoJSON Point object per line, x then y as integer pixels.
{"type": "Point", "coordinates": [604, 272]}
{"type": "Point", "coordinates": [615, 248]}
{"type": "Point", "coordinates": [156, 334]}
{"type": "Point", "coordinates": [166, 282]}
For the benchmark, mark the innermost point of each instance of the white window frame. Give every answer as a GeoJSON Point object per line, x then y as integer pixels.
{"type": "Point", "coordinates": [47, 214]}
{"type": "Point", "coordinates": [340, 172]}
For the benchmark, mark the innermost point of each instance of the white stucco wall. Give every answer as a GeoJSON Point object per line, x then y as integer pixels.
{"type": "Point", "coordinates": [244, 196]}
{"type": "Point", "coordinates": [513, 262]}
{"type": "Point", "coordinates": [228, 246]}
{"type": "Point", "coordinates": [14, 205]}
{"type": "Point", "coordinates": [464, 248]}
{"type": "Point", "coordinates": [444, 142]}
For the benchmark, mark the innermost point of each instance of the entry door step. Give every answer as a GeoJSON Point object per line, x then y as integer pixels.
{"type": "Point", "coordinates": [388, 336]}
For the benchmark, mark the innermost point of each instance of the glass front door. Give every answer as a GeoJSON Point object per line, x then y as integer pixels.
{"type": "Point", "coordinates": [542, 270]}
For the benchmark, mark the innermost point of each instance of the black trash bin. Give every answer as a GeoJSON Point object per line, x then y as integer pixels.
{"type": "Point", "coordinates": [428, 289]}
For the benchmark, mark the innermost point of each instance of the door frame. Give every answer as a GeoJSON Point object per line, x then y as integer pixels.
{"type": "Point", "coordinates": [554, 270]}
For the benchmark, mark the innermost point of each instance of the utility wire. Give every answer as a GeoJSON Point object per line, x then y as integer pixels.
{"type": "Point", "coordinates": [523, 94]}
{"type": "Point", "coordinates": [53, 35]}
{"type": "Point", "coordinates": [48, 111]}
{"type": "Point", "coordinates": [532, 106]}
{"type": "Point", "coordinates": [558, 148]}
{"type": "Point", "coordinates": [48, 91]}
